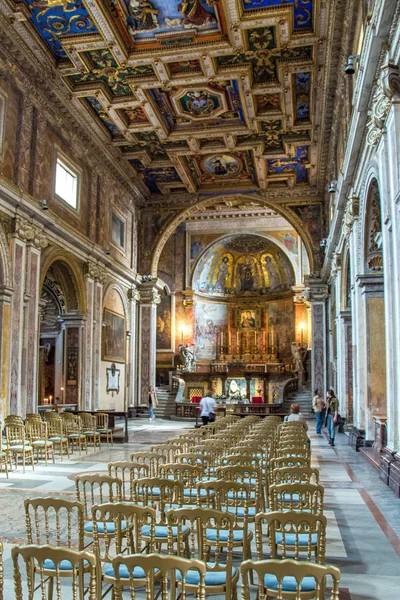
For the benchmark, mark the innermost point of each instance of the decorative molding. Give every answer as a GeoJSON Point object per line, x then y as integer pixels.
{"type": "Point", "coordinates": [316, 290]}
{"type": "Point", "coordinates": [133, 294]}
{"type": "Point", "coordinates": [388, 90]}
{"type": "Point", "coordinates": [351, 213]}
{"type": "Point", "coordinates": [95, 271]}
{"type": "Point", "coordinates": [30, 233]}
{"type": "Point", "coordinates": [149, 295]}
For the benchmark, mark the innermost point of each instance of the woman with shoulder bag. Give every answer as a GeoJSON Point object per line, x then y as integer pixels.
{"type": "Point", "coordinates": [331, 414]}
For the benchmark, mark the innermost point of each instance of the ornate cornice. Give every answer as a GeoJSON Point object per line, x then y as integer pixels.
{"type": "Point", "coordinates": [133, 294]}
{"type": "Point", "coordinates": [149, 294]}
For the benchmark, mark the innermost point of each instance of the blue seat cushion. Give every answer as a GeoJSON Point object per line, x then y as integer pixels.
{"type": "Point", "coordinates": [76, 435]}
{"type": "Point", "coordinates": [20, 447]}
{"type": "Point", "coordinates": [192, 493]}
{"type": "Point", "coordinates": [138, 572]}
{"type": "Point", "coordinates": [289, 583]}
{"type": "Point", "coordinates": [155, 491]}
{"type": "Point", "coordinates": [110, 527]}
{"type": "Point", "coordinates": [161, 531]}
{"type": "Point", "coordinates": [239, 511]}
{"type": "Point", "coordinates": [211, 535]}
{"type": "Point", "coordinates": [211, 578]}
{"type": "Point", "coordinates": [58, 439]}
{"type": "Point", "coordinates": [209, 478]}
{"type": "Point", "coordinates": [64, 565]}
{"type": "Point", "coordinates": [290, 539]}
{"type": "Point", "coordinates": [41, 443]}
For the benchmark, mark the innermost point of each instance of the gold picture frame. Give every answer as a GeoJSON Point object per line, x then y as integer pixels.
{"type": "Point", "coordinates": [248, 319]}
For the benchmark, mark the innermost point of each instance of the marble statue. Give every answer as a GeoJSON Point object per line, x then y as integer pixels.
{"type": "Point", "coordinates": [188, 357]}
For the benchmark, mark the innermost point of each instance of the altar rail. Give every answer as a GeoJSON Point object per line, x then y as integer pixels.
{"type": "Point", "coordinates": [189, 410]}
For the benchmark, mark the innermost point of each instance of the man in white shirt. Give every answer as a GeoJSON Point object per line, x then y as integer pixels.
{"type": "Point", "coordinates": [207, 407]}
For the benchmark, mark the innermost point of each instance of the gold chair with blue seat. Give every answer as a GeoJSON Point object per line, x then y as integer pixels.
{"type": "Point", "coordinates": [152, 459]}
{"type": "Point", "coordinates": [295, 475]}
{"type": "Point", "coordinates": [288, 580]}
{"type": "Point", "coordinates": [249, 475]}
{"type": "Point", "coordinates": [102, 426]}
{"type": "Point", "coordinates": [56, 434]}
{"type": "Point", "coordinates": [127, 471]}
{"type": "Point", "coordinates": [74, 564]}
{"type": "Point", "coordinates": [237, 499]}
{"type": "Point", "coordinates": [188, 475]}
{"type": "Point", "coordinates": [89, 429]}
{"type": "Point", "coordinates": [297, 496]}
{"type": "Point", "coordinates": [170, 574]}
{"type": "Point", "coordinates": [74, 432]}
{"type": "Point", "coordinates": [118, 529]}
{"type": "Point", "coordinates": [55, 522]}
{"type": "Point", "coordinates": [162, 494]}
{"type": "Point", "coordinates": [94, 489]}
{"type": "Point", "coordinates": [292, 534]}
{"type": "Point", "coordinates": [37, 432]}
{"type": "Point", "coordinates": [18, 445]}
{"type": "Point", "coordinates": [205, 525]}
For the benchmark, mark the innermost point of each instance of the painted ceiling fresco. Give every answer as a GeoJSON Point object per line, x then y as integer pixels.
{"type": "Point", "coordinates": [243, 265]}
{"type": "Point", "coordinates": [199, 95]}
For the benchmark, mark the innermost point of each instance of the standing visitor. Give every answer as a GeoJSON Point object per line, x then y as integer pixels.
{"type": "Point", "coordinates": [318, 407]}
{"type": "Point", "coordinates": [207, 408]}
{"type": "Point", "coordinates": [152, 402]}
{"type": "Point", "coordinates": [331, 414]}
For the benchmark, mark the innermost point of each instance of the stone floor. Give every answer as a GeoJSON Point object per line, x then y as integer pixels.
{"type": "Point", "coordinates": [363, 514]}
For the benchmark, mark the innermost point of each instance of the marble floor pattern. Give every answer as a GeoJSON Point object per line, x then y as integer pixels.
{"type": "Point", "coordinates": [363, 514]}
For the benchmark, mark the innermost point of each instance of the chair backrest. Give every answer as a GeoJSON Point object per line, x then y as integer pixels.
{"type": "Point", "coordinates": [41, 557]}
{"type": "Point", "coordinates": [288, 461]}
{"type": "Point", "coordinates": [244, 474]}
{"type": "Point", "coordinates": [101, 420]}
{"type": "Point", "coordinates": [13, 419]}
{"type": "Point", "coordinates": [33, 417]}
{"type": "Point", "coordinates": [153, 459]}
{"type": "Point", "coordinates": [51, 414]}
{"type": "Point", "coordinates": [277, 570]}
{"type": "Point", "coordinates": [55, 427]}
{"type": "Point", "coordinates": [292, 533]}
{"type": "Point", "coordinates": [297, 496]}
{"type": "Point", "coordinates": [236, 498]}
{"type": "Point", "coordinates": [36, 430]}
{"type": "Point", "coordinates": [167, 450]}
{"type": "Point", "coordinates": [15, 433]}
{"type": "Point", "coordinates": [72, 424]}
{"type": "Point", "coordinates": [54, 521]}
{"type": "Point", "coordinates": [295, 474]}
{"type": "Point", "coordinates": [168, 568]}
{"type": "Point", "coordinates": [157, 492]}
{"type": "Point", "coordinates": [88, 421]}
{"type": "Point", "coordinates": [189, 475]}
{"type": "Point", "coordinates": [124, 525]}
{"type": "Point", "coordinates": [127, 471]}
{"type": "Point", "coordinates": [97, 489]}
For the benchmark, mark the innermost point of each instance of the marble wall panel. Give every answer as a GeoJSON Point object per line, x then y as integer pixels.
{"type": "Point", "coordinates": [12, 104]}
{"type": "Point", "coordinates": [377, 353]}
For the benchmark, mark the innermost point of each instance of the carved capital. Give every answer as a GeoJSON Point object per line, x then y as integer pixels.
{"type": "Point", "coordinates": [316, 290]}
{"type": "Point", "coordinates": [133, 294]}
{"type": "Point", "coordinates": [351, 213]}
{"type": "Point", "coordinates": [95, 271]}
{"type": "Point", "coordinates": [149, 295]}
{"type": "Point", "coordinates": [30, 233]}
{"type": "Point", "coordinates": [388, 89]}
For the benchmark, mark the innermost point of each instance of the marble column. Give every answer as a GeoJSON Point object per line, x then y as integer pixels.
{"type": "Point", "coordinates": [149, 298]}
{"type": "Point", "coordinates": [91, 376]}
{"type": "Point", "coordinates": [31, 332]}
{"type": "Point", "coordinates": [74, 357]}
{"type": "Point", "coordinates": [317, 294]}
{"type": "Point", "coordinates": [97, 331]}
{"type": "Point", "coordinates": [132, 396]}
{"type": "Point", "coordinates": [6, 294]}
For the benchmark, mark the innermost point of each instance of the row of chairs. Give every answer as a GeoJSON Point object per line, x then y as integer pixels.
{"type": "Point", "coordinates": [24, 440]}
{"type": "Point", "coordinates": [195, 511]}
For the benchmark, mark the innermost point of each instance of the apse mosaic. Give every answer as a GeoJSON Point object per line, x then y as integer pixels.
{"type": "Point", "coordinates": [302, 9]}
{"type": "Point", "coordinates": [194, 97]}
{"type": "Point", "coordinates": [243, 265]}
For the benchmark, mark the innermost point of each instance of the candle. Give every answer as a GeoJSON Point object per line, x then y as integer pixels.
{"type": "Point", "coordinates": [272, 338]}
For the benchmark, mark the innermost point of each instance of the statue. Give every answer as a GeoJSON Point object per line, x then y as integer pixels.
{"type": "Point", "coordinates": [188, 357]}
{"type": "Point", "coordinates": [142, 16]}
{"type": "Point", "coordinates": [299, 354]}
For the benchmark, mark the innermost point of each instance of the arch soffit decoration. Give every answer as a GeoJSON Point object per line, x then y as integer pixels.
{"type": "Point", "coordinates": [112, 286]}
{"type": "Point", "coordinates": [52, 255]}
{"type": "Point", "coordinates": [5, 259]}
{"type": "Point", "coordinates": [171, 225]}
{"type": "Point", "coordinates": [281, 246]}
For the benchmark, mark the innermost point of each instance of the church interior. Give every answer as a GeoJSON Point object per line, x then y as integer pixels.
{"type": "Point", "coordinates": [200, 199]}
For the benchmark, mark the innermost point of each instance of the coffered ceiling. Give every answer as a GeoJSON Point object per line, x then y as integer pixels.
{"type": "Point", "coordinates": [200, 96]}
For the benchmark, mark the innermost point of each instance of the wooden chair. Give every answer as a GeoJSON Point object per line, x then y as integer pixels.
{"type": "Point", "coordinates": [220, 577]}
{"type": "Point", "coordinates": [298, 497]}
{"type": "Point", "coordinates": [118, 528]}
{"type": "Point", "coordinates": [37, 433]}
{"type": "Point", "coordinates": [55, 522]}
{"type": "Point", "coordinates": [56, 435]}
{"type": "Point", "coordinates": [74, 432]}
{"type": "Point", "coordinates": [65, 563]}
{"type": "Point", "coordinates": [103, 428]}
{"type": "Point", "coordinates": [127, 471]}
{"type": "Point", "coordinates": [289, 580]}
{"type": "Point", "coordinates": [295, 475]}
{"type": "Point", "coordinates": [4, 455]}
{"type": "Point", "coordinates": [296, 533]}
{"type": "Point", "coordinates": [18, 445]}
{"type": "Point", "coordinates": [89, 429]}
{"type": "Point", "coordinates": [152, 459]}
{"type": "Point", "coordinates": [173, 573]}
{"type": "Point", "coordinates": [95, 489]}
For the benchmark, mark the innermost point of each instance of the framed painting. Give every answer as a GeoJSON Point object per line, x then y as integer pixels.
{"type": "Point", "coordinates": [114, 337]}
{"type": "Point", "coordinates": [165, 324]}
{"type": "Point", "coordinates": [248, 319]}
